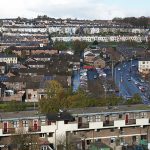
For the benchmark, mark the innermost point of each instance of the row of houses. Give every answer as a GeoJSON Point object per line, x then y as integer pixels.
{"type": "Point", "coordinates": [101, 38]}
{"type": "Point", "coordinates": [23, 40]}
{"type": "Point", "coordinates": [113, 126]}
{"type": "Point", "coordinates": [73, 29]}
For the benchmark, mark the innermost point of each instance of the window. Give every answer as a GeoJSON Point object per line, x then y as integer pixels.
{"type": "Point", "coordinates": [50, 135]}
{"type": "Point", "coordinates": [43, 122]}
{"type": "Point", "coordinates": [120, 116]}
{"type": "Point", "coordinates": [121, 129]}
{"type": "Point", "coordinates": [25, 123]}
{"type": "Point", "coordinates": [112, 140]}
{"type": "Point", "coordinates": [90, 118]}
{"type": "Point", "coordinates": [88, 142]}
{"type": "Point", "coordinates": [44, 148]}
{"type": "Point", "coordinates": [98, 140]}
{"type": "Point", "coordinates": [29, 96]}
{"type": "Point", "coordinates": [16, 124]}
{"type": "Point", "coordinates": [66, 122]}
{"type": "Point", "coordinates": [112, 130]}
{"type": "Point", "coordinates": [98, 118]}
{"type": "Point", "coordinates": [143, 114]}
{"type": "Point", "coordinates": [137, 115]}
{"type": "Point", "coordinates": [42, 134]}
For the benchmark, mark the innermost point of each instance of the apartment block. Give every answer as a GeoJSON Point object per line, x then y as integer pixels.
{"type": "Point", "coordinates": [114, 126]}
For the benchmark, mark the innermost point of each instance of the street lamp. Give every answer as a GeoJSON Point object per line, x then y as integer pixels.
{"type": "Point", "coordinates": [148, 144]}
{"type": "Point", "coordinates": [112, 68]}
{"type": "Point", "coordinates": [131, 65]}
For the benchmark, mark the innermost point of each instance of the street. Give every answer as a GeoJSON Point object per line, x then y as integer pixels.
{"type": "Point", "coordinates": [76, 80]}
{"type": "Point", "coordinates": [129, 82]}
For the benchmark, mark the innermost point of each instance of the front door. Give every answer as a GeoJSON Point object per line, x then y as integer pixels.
{"type": "Point", "coordinates": [127, 119]}
{"type": "Point", "coordinates": [107, 119]}
{"type": "Point", "coordinates": [35, 125]}
{"type": "Point", "coordinates": [83, 144]}
{"type": "Point", "coordinates": [80, 121]}
{"type": "Point", "coordinates": [5, 126]}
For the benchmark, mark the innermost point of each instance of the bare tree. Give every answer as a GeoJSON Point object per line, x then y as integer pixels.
{"type": "Point", "coordinates": [23, 140]}
{"type": "Point", "coordinates": [65, 143]}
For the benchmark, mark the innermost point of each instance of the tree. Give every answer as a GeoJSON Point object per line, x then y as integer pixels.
{"type": "Point", "coordinates": [78, 99]}
{"type": "Point", "coordinates": [23, 54]}
{"type": "Point", "coordinates": [67, 143]}
{"type": "Point", "coordinates": [95, 43]}
{"type": "Point", "coordinates": [60, 45]}
{"type": "Point", "coordinates": [79, 46]}
{"type": "Point", "coordinates": [137, 22]}
{"type": "Point", "coordinates": [55, 98]}
{"type": "Point", "coordinates": [135, 100]}
{"type": "Point", "coordinates": [8, 51]}
{"type": "Point", "coordinates": [25, 141]}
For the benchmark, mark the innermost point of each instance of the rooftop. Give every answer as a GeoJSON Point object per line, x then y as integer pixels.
{"type": "Point", "coordinates": [6, 55]}
{"type": "Point", "coordinates": [19, 115]}
{"type": "Point", "coordinates": [75, 112]}
{"type": "Point", "coordinates": [109, 110]}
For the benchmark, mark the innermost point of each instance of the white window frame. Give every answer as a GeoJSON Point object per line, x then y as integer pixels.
{"type": "Point", "coordinates": [25, 123]}
{"type": "Point", "coordinates": [16, 124]}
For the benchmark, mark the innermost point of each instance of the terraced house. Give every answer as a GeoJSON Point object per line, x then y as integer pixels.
{"type": "Point", "coordinates": [9, 59]}
{"type": "Point", "coordinates": [114, 126]}
{"type": "Point", "coordinates": [144, 66]}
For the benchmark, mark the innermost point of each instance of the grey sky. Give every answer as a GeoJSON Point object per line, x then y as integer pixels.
{"type": "Point", "coordinates": [82, 9]}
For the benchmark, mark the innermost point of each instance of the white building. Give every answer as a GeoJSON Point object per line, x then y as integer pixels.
{"type": "Point", "coordinates": [9, 59]}
{"type": "Point", "coordinates": [144, 66]}
{"type": "Point", "coordinates": [25, 29]}
{"type": "Point", "coordinates": [101, 38]}
{"type": "Point", "coordinates": [123, 125]}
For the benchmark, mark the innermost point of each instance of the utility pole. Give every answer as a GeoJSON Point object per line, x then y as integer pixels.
{"type": "Point", "coordinates": [112, 69]}
{"type": "Point", "coordinates": [119, 88]}
{"type": "Point", "coordinates": [131, 65]}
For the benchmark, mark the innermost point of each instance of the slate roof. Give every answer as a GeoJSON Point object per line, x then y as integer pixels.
{"type": "Point", "coordinates": [109, 110]}
{"type": "Point", "coordinates": [2, 63]}
{"type": "Point", "coordinates": [7, 55]}
{"type": "Point", "coordinates": [60, 116]}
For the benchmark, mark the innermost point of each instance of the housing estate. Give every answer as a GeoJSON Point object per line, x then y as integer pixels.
{"type": "Point", "coordinates": [114, 126]}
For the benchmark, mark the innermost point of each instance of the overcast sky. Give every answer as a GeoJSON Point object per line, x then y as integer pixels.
{"type": "Point", "coordinates": [81, 9]}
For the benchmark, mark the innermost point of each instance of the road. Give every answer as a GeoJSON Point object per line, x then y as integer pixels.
{"type": "Point", "coordinates": [128, 81]}
{"type": "Point", "coordinates": [76, 80]}
{"type": "Point", "coordinates": [79, 80]}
